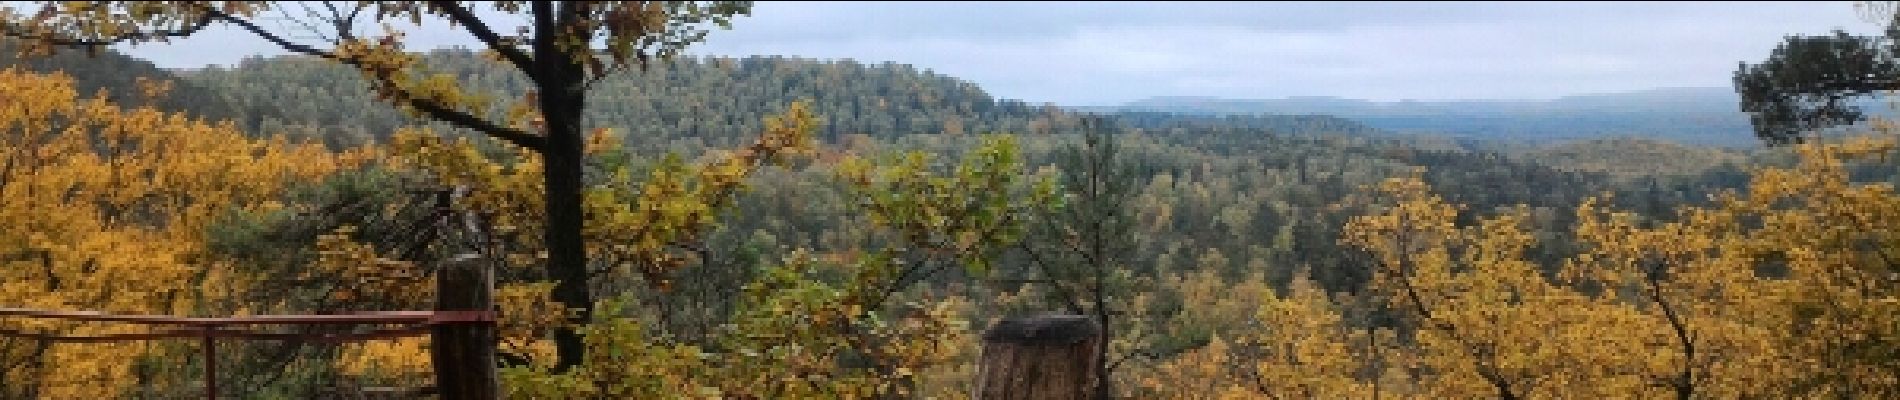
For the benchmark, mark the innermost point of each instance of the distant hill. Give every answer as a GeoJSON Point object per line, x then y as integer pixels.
{"type": "Point", "coordinates": [696, 102]}
{"type": "Point", "coordinates": [118, 75]}
{"type": "Point", "coordinates": [1704, 116]}
{"type": "Point", "coordinates": [1706, 99]}
{"type": "Point", "coordinates": [686, 102]}
{"type": "Point", "coordinates": [682, 103]}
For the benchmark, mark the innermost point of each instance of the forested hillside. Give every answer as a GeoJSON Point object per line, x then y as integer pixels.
{"type": "Point", "coordinates": [664, 106]}
{"type": "Point", "coordinates": [1699, 116]}
{"type": "Point", "coordinates": [120, 76]}
{"type": "Point", "coordinates": [779, 227]}
{"type": "Point", "coordinates": [693, 102]}
{"type": "Point", "coordinates": [1233, 196]}
{"type": "Point", "coordinates": [1257, 176]}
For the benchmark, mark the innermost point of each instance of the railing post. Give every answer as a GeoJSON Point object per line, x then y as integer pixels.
{"type": "Point", "coordinates": [211, 364]}
{"type": "Point", "coordinates": [1039, 358]}
{"type": "Point", "coordinates": [463, 352]}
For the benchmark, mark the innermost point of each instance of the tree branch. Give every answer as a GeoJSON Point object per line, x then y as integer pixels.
{"type": "Point", "coordinates": [469, 121]}
{"type": "Point", "coordinates": [434, 110]}
{"type": "Point", "coordinates": [1129, 355]}
{"type": "Point", "coordinates": [1683, 383]}
{"type": "Point", "coordinates": [305, 25]}
{"type": "Point", "coordinates": [462, 16]}
{"type": "Point", "coordinates": [187, 30]}
{"type": "Point", "coordinates": [898, 284]}
{"type": "Point", "coordinates": [272, 37]}
{"type": "Point", "coordinates": [344, 23]}
{"type": "Point", "coordinates": [1067, 296]}
{"type": "Point", "coordinates": [6, 172]}
{"type": "Point", "coordinates": [1486, 370]}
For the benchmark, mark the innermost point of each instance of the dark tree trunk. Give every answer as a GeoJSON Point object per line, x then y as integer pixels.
{"type": "Point", "coordinates": [558, 83]}
{"type": "Point", "coordinates": [567, 257]}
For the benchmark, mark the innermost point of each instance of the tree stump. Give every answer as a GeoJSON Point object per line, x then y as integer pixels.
{"type": "Point", "coordinates": [1039, 358]}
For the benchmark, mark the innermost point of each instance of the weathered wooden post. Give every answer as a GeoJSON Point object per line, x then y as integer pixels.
{"type": "Point", "coordinates": [462, 341]}
{"type": "Point", "coordinates": [1039, 358]}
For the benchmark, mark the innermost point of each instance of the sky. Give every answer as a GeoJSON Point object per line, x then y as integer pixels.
{"type": "Point", "coordinates": [1108, 53]}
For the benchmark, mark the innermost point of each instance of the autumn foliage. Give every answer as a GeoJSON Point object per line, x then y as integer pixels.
{"type": "Point", "coordinates": [1783, 290]}
{"type": "Point", "coordinates": [105, 208]}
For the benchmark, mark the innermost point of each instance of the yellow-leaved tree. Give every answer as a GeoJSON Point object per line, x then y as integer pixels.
{"type": "Point", "coordinates": [105, 209]}
{"type": "Point", "coordinates": [1785, 290]}
{"type": "Point", "coordinates": [1707, 324]}
{"type": "Point", "coordinates": [560, 47]}
{"type": "Point", "coordinates": [1485, 322]}
{"type": "Point", "coordinates": [1829, 244]}
{"type": "Point", "coordinates": [1265, 345]}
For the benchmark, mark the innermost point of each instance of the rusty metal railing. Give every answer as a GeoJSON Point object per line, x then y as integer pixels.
{"type": "Point", "coordinates": [209, 330]}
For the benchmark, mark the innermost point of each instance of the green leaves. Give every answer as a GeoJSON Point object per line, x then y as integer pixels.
{"type": "Point", "coordinates": [1809, 83]}
{"type": "Point", "coordinates": [981, 204]}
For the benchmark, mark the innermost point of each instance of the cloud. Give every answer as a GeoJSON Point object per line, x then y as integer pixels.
{"type": "Point", "coordinates": [1112, 52]}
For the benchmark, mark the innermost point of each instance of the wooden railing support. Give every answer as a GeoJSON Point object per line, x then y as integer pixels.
{"type": "Point", "coordinates": [211, 365]}
{"type": "Point", "coordinates": [464, 352]}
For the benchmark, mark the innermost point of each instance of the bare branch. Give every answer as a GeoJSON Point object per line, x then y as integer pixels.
{"type": "Point", "coordinates": [199, 24]}
{"type": "Point", "coordinates": [287, 19]}
{"type": "Point", "coordinates": [466, 120]}
{"type": "Point", "coordinates": [1063, 291]}
{"type": "Point", "coordinates": [434, 110]}
{"type": "Point", "coordinates": [345, 25]}
{"type": "Point", "coordinates": [462, 16]}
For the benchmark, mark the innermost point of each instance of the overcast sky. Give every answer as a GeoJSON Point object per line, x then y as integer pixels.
{"type": "Point", "coordinates": [1103, 53]}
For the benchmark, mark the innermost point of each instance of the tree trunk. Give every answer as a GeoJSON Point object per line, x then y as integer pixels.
{"type": "Point", "coordinates": [1039, 358]}
{"type": "Point", "coordinates": [562, 100]}
{"type": "Point", "coordinates": [1103, 386]}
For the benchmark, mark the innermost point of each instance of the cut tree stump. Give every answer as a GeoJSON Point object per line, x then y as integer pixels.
{"type": "Point", "coordinates": [1039, 358]}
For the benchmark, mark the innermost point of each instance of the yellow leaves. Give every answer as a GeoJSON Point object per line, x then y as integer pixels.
{"type": "Point", "coordinates": [1260, 344]}
{"type": "Point", "coordinates": [1666, 298]}
{"type": "Point", "coordinates": [528, 315]}
{"type": "Point", "coordinates": [789, 133]}
{"type": "Point", "coordinates": [113, 203]}
{"type": "Point", "coordinates": [81, 367]}
{"type": "Point", "coordinates": [1834, 237]}
{"type": "Point", "coordinates": [1485, 315]}
{"type": "Point", "coordinates": [601, 140]}
{"type": "Point", "coordinates": [365, 273]}
{"type": "Point", "coordinates": [525, 114]}
{"type": "Point", "coordinates": [398, 362]}
{"type": "Point", "coordinates": [152, 88]}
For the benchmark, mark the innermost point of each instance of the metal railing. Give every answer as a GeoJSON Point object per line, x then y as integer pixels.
{"type": "Point", "coordinates": [209, 330]}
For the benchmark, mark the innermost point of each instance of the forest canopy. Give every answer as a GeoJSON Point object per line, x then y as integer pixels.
{"type": "Point", "coordinates": [782, 227]}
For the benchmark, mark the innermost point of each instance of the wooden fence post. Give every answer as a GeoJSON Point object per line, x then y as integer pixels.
{"type": "Point", "coordinates": [463, 352]}
{"type": "Point", "coordinates": [1039, 358]}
